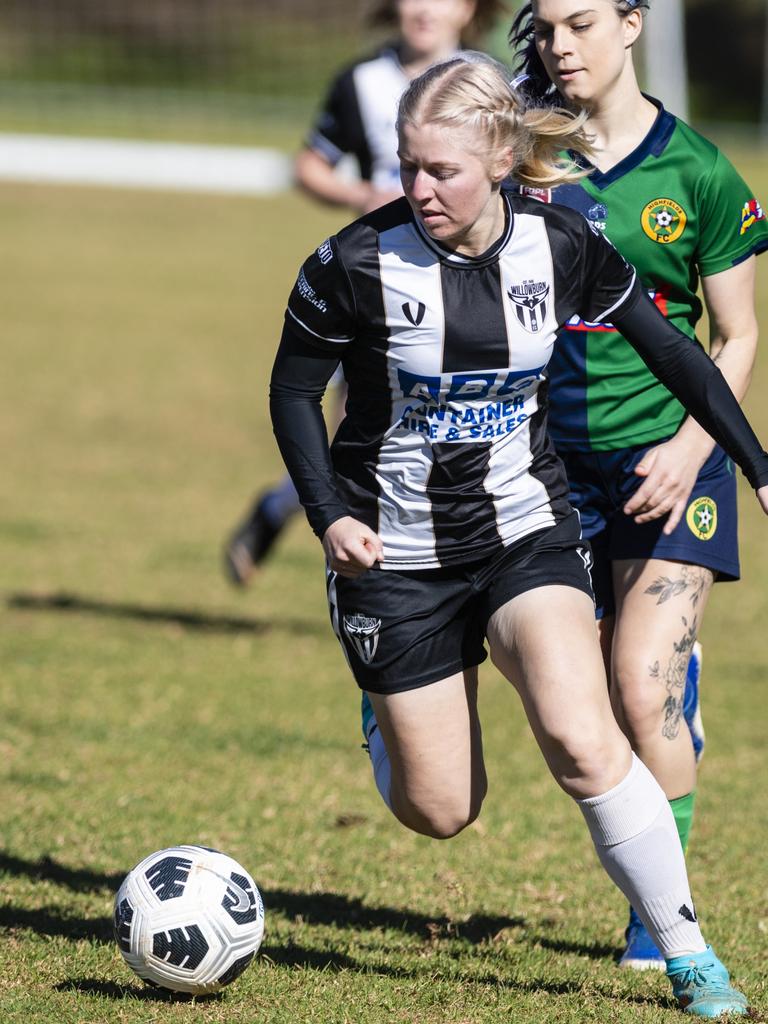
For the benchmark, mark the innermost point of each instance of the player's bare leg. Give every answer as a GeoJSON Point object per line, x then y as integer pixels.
{"type": "Point", "coordinates": [559, 674]}
{"type": "Point", "coordinates": [560, 677]}
{"type": "Point", "coordinates": [433, 741]}
{"type": "Point", "coordinates": [660, 606]}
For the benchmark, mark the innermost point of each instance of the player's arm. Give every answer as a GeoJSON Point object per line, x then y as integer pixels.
{"type": "Point", "coordinates": [339, 130]}
{"type": "Point", "coordinates": [300, 376]}
{"type": "Point", "coordinates": [320, 323]}
{"type": "Point", "coordinates": [696, 381]}
{"type": "Point", "coordinates": [321, 180]}
{"type": "Point", "coordinates": [670, 469]}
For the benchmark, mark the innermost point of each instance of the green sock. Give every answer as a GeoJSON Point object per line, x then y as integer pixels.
{"type": "Point", "coordinates": [682, 809]}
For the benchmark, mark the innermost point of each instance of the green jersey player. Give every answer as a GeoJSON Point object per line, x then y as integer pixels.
{"type": "Point", "coordinates": [657, 498]}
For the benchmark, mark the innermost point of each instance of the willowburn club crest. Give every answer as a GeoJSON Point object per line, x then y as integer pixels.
{"type": "Point", "coordinates": [364, 635]}
{"type": "Point", "coordinates": [529, 300]}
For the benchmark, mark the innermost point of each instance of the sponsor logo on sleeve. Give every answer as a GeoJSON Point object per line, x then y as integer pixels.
{"type": "Point", "coordinates": [750, 214]}
{"type": "Point", "coordinates": [307, 292]}
{"type": "Point", "coordinates": [325, 252]}
{"type": "Point", "coordinates": [663, 220]}
{"type": "Point", "coordinates": [597, 215]}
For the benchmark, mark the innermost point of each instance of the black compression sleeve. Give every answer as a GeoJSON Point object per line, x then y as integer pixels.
{"type": "Point", "coordinates": [299, 378]}
{"type": "Point", "coordinates": [686, 370]}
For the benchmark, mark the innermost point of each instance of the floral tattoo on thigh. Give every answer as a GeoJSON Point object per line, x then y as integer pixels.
{"type": "Point", "coordinates": [693, 581]}
{"type": "Point", "coordinates": [692, 578]}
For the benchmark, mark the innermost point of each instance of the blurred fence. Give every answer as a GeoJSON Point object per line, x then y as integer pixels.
{"type": "Point", "coordinates": [221, 70]}
{"type": "Point", "coordinates": [253, 71]}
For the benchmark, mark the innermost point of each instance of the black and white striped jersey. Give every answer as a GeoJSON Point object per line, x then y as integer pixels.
{"type": "Point", "coordinates": [444, 450]}
{"type": "Point", "coordinates": [359, 115]}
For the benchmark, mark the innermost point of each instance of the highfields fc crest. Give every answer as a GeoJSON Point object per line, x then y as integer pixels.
{"type": "Point", "coordinates": [701, 517]}
{"type": "Point", "coordinates": [363, 633]}
{"type": "Point", "coordinates": [530, 302]}
{"type": "Point", "coordinates": [663, 220]}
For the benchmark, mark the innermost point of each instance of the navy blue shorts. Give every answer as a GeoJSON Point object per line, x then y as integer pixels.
{"type": "Point", "coordinates": [403, 630]}
{"type": "Point", "coordinates": [602, 482]}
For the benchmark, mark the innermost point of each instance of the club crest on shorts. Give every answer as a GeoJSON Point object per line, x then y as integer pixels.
{"type": "Point", "coordinates": [701, 517]}
{"type": "Point", "coordinates": [363, 634]}
{"type": "Point", "coordinates": [530, 302]}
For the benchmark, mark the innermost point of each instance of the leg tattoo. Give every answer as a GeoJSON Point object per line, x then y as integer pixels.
{"type": "Point", "coordinates": [695, 581]}
{"type": "Point", "coordinates": [692, 578]}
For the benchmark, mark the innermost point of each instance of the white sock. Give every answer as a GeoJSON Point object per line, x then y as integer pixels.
{"type": "Point", "coordinates": [382, 769]}
{"type": "Point", "coordinates": [636, 839]}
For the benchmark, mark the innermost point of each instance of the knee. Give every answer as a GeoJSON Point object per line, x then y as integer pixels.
{"type": "Point", "coordinates": [440, 818]}
{"type": "Point", "coordinates": [585, 766]}
{"type": "Point", "coordinates": [642, 698]}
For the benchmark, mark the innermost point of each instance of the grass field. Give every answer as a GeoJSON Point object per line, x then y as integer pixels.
{"type": "Point", "coordinates": [144, 704]}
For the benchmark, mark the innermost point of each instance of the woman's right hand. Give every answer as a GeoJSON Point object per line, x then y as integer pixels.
{"type": "Point", "coordinates": [352, 548]}
{"type": "Point", "coordinates": [762, 497]}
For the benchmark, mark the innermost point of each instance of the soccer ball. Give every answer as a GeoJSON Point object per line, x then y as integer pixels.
{"type": "Point", "coordinates": [188, 919]}
{"type": "Point", "coordinates": [664, 219]}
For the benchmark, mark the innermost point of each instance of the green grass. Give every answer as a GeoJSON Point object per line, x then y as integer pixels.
{"type": "Point", "coordinates": [143, 703]}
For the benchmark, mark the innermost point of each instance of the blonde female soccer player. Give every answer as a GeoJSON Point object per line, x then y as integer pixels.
{"type": "Point", "coordinates": [442, 506]}
{"type": "Point", "coordinates": [357, 120]}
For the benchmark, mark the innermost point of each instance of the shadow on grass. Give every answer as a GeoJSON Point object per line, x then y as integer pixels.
{"type": "Point", "coordinates": [331, 908]}
{"type": "Point", "coordinates": [593, 950]}
{"type": "Point", "coordinates": [49, 870]}
{"type": "Point", "coordinates": [199, 621]}
{"type": "Point", "coordinates": [300, 957]}
{"type": "Point", "coordinates": [111, 990]}
{"type": "Point", "coordinates": [324, 908]}
{"type": "Point", "coordinates": [50, 921]}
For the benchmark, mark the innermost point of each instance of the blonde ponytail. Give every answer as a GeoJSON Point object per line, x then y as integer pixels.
{"type": "Point", "coordinates": [553, 134]}
{"type": "Point", "coordinates": [471, 93]}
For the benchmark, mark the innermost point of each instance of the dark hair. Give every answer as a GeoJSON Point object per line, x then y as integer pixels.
{"type": "Point", "coordinates": [487, 13]}
{"type": "Point", "coordinates": [538, 86]}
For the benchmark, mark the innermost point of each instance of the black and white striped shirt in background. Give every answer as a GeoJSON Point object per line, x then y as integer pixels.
{"type": "Point", "coordinates": [359, 115]}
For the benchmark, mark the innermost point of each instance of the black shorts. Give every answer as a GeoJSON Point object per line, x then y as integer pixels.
{"type": "Point", "coordinates": [403, 630]}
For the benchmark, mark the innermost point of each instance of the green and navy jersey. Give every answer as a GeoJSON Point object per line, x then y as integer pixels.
{"type": "Point", "coordinates": [677, 210]}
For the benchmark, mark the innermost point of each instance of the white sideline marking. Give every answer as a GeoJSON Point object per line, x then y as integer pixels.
{"type": "Point", "coordinates": [243, 170]}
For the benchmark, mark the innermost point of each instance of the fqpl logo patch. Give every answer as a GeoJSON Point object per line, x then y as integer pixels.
{"type": "Point", "coordinates": [363, 633]}
{"type": "Point", "coordinates": [529, 300]}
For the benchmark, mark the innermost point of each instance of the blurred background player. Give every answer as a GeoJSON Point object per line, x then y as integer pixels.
{"type": "Point", "coordinates": [358, 119]}
{"type": "Point", "coordinates": [657, 497]}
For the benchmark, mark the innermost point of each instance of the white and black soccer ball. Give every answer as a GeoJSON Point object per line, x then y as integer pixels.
{"type": "Point", "coordinates": [188, 919]}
